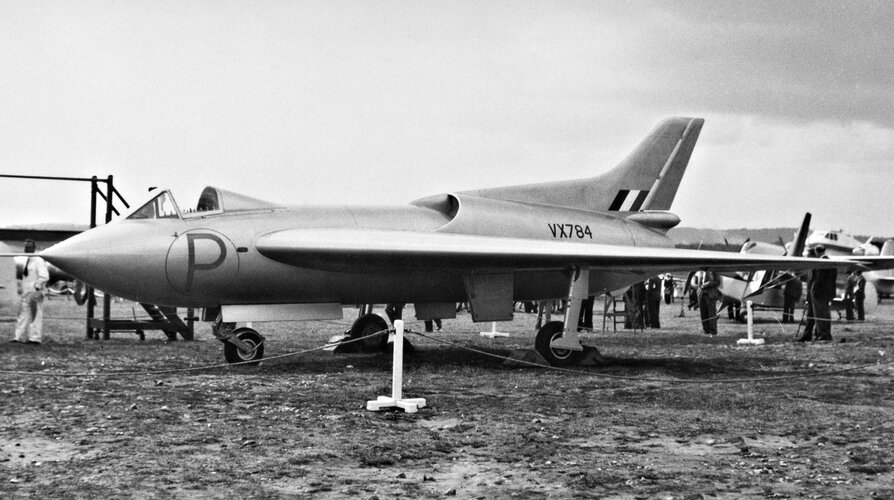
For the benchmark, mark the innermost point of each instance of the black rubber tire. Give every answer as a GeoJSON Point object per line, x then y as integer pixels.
{"type": "Point", "coordinates": [248, 336]}
{"type": "Point", "coordinates": [555, 357]}
{"type": "Point", "coordinates": [373, 329]}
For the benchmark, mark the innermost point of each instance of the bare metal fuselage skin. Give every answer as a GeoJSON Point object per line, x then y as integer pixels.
{"type": "Point", "coordinates": [208, 261]}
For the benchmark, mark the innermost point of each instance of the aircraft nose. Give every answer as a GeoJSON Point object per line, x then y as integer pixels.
{"type": "Point", "coordinates": [78, 256]}
{"type": "Point", "coordinates": [114, 258]}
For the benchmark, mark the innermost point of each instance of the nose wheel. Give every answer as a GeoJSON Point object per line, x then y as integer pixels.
{"type": "Point", "coordinates": [250, 349]}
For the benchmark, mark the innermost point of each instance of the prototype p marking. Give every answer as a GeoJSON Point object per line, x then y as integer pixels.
{"type": "Point", "coordinates": [192, 265]}
{"type": "Point", "coordinates": [201, 258]}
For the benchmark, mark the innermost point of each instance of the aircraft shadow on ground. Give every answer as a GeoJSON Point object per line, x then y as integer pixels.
{"type": "Point", "coordinates": [413, 357]}
{"type": "Point", "coordinates": [491, 358]}
{"type": "Point", "coordinates": [682, 367]}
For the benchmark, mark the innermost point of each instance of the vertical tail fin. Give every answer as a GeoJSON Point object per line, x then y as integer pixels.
{"type": "Point", "coordinates": [647, 179]}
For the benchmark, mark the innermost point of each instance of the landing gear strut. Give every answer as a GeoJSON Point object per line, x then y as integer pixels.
{"type": "Point", "coordinates": [558, 341]}
{"type": "Point", "coordinates": [553, 355]}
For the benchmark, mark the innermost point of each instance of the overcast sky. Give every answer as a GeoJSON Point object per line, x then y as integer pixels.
{"type": "Point", "coordinates": [384, 102]}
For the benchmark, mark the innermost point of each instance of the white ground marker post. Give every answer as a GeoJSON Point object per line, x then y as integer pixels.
{"type": "Point", "coordinates": [750, 340]}
{"type": "Point", "coordinates": [493, 331]}
{"type": "Point", "coordinates": [410, 405]}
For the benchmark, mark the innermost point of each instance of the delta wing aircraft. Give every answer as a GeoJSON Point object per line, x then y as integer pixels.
{"type": "Point", "coordinates": [243, 259]}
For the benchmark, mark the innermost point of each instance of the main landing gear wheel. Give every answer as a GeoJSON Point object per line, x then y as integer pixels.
{"type": "Point", "coordinates": [555, 357]}
{"type": "Point", "coordinates": [373, 329]}
{"type": "Point", "coordinates": [250, 338]}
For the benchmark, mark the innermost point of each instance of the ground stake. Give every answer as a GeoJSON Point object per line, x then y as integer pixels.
{"type": "Point", "coordinates": [493, 331]}
{"type": "Point", "coordinates": [409, 405]}
{"type": "Point", "coordinates": [750, 340]}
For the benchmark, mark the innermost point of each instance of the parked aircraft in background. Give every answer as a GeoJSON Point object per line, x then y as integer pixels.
{"type": "Point", "coordinates": [13, 239]}
{"type": "Point", "coordinates": [243, 259]}
{"type": "Point", "coordinates": [9, 297]}
{"type": "Point", "coordinates": [839, 243]}
{"type": "Point", "coordinates": [764, 288]}
{"type": "Point", "coordinates": [884, 279]}
{"type": "Point", "coordinates": [11, 269]}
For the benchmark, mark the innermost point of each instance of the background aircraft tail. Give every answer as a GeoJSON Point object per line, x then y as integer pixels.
{"type": "Point", "coordinates": [797, 248]}
{"type": "Point", "coordinates": [646, 180]}
{"type": "Point", "coordinates": [888, 248]}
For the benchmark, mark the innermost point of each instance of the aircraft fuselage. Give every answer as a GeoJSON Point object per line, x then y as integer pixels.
{"type": "Point", "coordinates": [207, 261]}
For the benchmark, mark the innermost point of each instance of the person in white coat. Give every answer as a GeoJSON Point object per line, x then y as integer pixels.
{"type": "Point", "coordinates": [32, 288]}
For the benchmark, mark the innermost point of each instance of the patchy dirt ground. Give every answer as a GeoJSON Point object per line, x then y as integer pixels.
{"type": "Point", "coordinates": [670, 414]}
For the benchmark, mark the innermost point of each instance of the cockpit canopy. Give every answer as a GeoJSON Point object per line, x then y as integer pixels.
{"type": "Point", "coordinates": [162, 206]}
{"type": "Point", "coordinates": [215, 199]}
{"type": "Point", "coordinates": [212, 201]}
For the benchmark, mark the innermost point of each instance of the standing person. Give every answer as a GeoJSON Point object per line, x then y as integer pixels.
{"type": "Point", "coordinates": [629, 307]}
{"type": "Point", "coordinates": [733, 308]}
{"type": "Point", "coordinates": [822, 291]}
{"type": "Point", "coordinates": [394, 311]}
{"type": "Point", "coordinates": [653, 302]}
{"type": "Point", "coordinates": [850, 284]}
{"type": "Point", "coordinates": [808, 305]}
{"type": "Point", "coordinates": [639, 304]}
{"type": "Point", "coordinates": [32, 288]}
{"type": "Point", "coordinates": [860, 295]}
{"type": "Point", "coordinates": [428, 325]}
{"type": "Point", "coordinates": [691, 287]}
{"type": "Point", "coordinates": [708, 293]}
{"type": "Point", "coordinates": [668, 285]}
{"type": "Point", "coordinates": [585, 321]}
{"type": "Point", "coordinates": [634, 302]}
{"type": "Point", "coordinates": [791, 294]}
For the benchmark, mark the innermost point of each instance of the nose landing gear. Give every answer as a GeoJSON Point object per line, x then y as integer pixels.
{"type": "Point", "coordinates": [249, 349]}
{"type": "Point", "coordinates": [241, 345]}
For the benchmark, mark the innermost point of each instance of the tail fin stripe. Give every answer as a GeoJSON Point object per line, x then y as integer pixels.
{"type": "Point", "coordinates": [632, 200]}
{"type": "Point", "coordinates": [619, 200]}
{"type": "Point", "coordinates": [640, 198]}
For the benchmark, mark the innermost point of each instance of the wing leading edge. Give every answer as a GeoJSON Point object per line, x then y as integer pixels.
{"type": "Point", "coordinates": [343, 250]}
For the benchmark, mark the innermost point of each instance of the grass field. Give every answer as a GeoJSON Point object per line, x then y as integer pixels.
{"type": "Point", "coordinates": [670, 413]}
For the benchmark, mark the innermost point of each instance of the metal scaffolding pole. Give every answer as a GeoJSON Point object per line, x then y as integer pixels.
{"type": "Point", "coordinates": [109, 197]}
